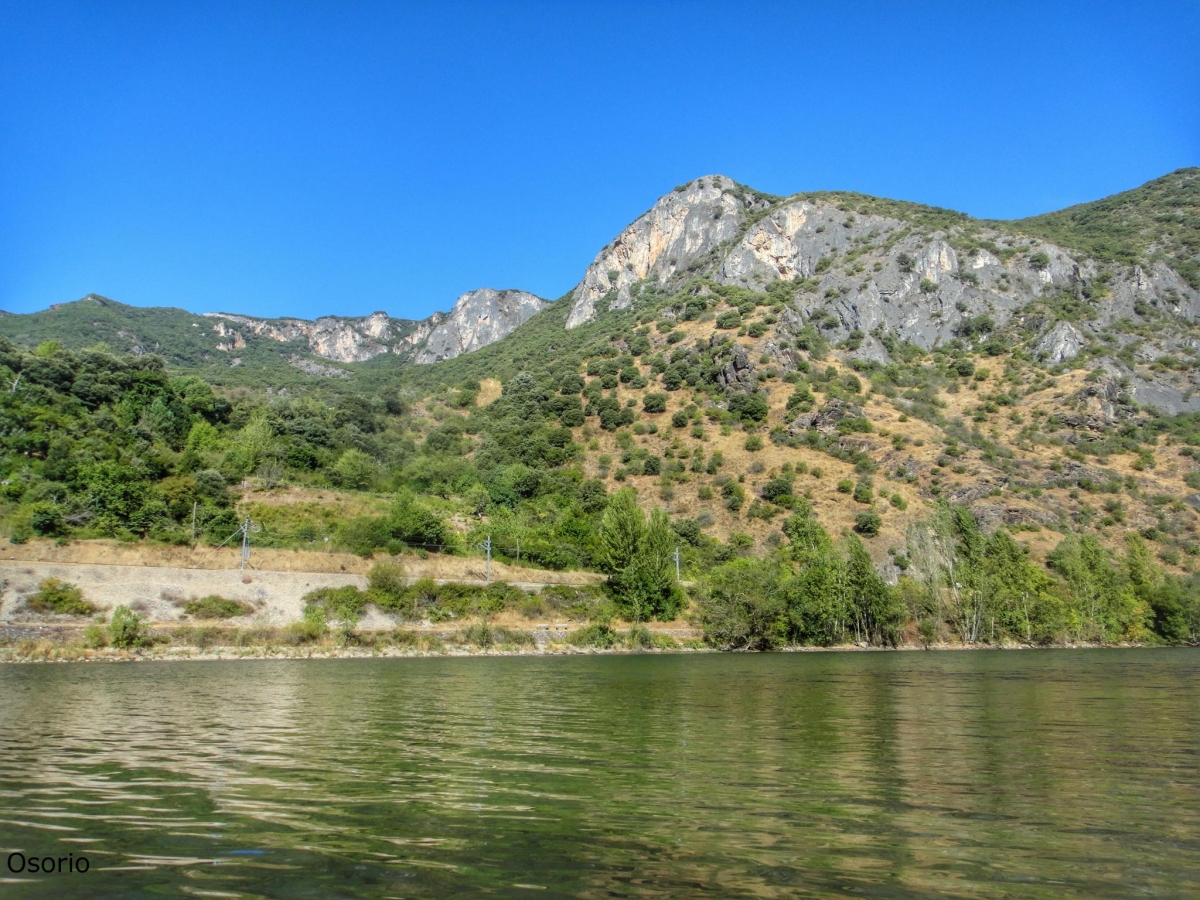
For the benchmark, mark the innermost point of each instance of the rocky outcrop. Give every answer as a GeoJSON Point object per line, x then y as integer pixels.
{"type": "Point", "coordinates": [738, 373]}
{"type": "Point", "coordinates": [1061, 343]}
{"type": "Point", "coordinates": [827, 418]}
{"type": "Point", "coordinates": [316, 369]}
{"type": "Point", "coordinates": [679, 232]}
{"type": "Point", "coordinates": [479, 318]}
{"type": "Point", "coordinates": [233, 338]}
{"type": "Point", "coordinates": [332, 337]}
{"type": "Point", "coordinates": [873, 273]}
{"type": "Point", "coordinates": [880, 275]}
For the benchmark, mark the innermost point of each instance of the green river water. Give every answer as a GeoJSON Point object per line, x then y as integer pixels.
{"type": "Point", "coordinates": [959, 774]}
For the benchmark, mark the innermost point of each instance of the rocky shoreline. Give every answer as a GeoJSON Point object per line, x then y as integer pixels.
{"type": "Point", "coordinates": [415, 645]}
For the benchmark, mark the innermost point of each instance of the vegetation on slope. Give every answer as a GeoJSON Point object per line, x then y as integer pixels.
{"type": "Point", "coordinates": [1159, 220]}
{"type": "Point", "coordinates": [966, 492]}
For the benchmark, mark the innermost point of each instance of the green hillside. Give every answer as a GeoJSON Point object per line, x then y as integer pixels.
{"type": "Point", "coordinates": [183, 340]}
{"type": "Point", "coordinates": [1158, 221]}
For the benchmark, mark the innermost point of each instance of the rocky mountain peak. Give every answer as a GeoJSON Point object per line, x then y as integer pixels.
{"type": "Point", "coordinates": [677, 233]}
{"type": "Point", "coordinates": [479, 318]}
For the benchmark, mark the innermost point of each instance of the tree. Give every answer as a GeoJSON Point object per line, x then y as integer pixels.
{"type": "Point", "coordinates": [876, 610]}
{"type": "Point", "coordinates": [638, 556]}
{"type": "Point", "coordinates": [1165, 597]}
{"type": "Point", "coordinates": [816, 596]}
{"type": "Point", "coordinates": [621, 530]}
{"type": "Point", "coordinates": [654, 403]}
{"type": "Point", "coordinates": [743, 607]}
{"type": "Point", "coordinates": [1102, 594]}
{"type": "Point", "coordinates": [127, 629]}
{"type": "Point", "coordinates": [253, 442]}
{"type": "Point", "coordinates": [1019, 595]}
{"type": "Point", "coordinates": [868, 522]}
{"type": "Point", "coordinates": [355, 469]}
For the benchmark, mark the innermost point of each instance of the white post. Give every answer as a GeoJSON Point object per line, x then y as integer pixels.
{"type": "Point", "coordinates": [676, 564]}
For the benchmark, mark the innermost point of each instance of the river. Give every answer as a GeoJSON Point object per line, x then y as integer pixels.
{"type": "Point", "coordinates": [888, 775]}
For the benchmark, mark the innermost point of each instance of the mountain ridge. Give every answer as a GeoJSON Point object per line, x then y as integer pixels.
{"type": "Point", "coordinates": [856, 268]}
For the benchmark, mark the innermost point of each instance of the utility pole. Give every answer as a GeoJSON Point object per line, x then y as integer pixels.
{"type": "Point", "coordinates": [677, 564]}
{"type": "Point", "coordinates": [487, 546]}
{"type": "Point", "coordinates": [518, 549]}
{"type": "Point", "coordinates": [195, 503]}
{"type": "Point", "coordinates": [245, 543]}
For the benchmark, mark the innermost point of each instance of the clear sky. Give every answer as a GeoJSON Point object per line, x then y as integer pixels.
{"type": "Point", "coordinates": [308, 158]}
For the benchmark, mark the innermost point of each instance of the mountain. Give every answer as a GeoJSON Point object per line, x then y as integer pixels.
{"type": "Point", "coordinates": [817, 342]}
{"type": "Point", "coordinates": [1117, 279]}
{"type": "Point", "coordinates": [214, 343]}
{"type": "Point", "coordinates": [755, 366]}
{"type": "Point", "coordinates": [478, 318]}
{"type": "Point", "coordinates": [866, 270]}
{"type": "Point", "coordinates": [1156, 222]}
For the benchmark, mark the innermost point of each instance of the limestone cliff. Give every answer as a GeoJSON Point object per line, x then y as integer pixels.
{"type": "Point", "coordinates": [331, 337]}
{"type": "Point", "coordinates": [678, 234]}
{"type": "Point", "coordinates": [479, 318]}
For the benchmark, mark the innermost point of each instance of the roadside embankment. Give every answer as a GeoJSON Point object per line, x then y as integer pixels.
{"type": "Point", "coordinates": [274, 623]}
{"type": "Point", "coordinates": [139, 555]}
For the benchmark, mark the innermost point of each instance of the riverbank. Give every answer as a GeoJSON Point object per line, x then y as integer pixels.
{"type": "Point", "coordinates": [267, 618]}
{"type": "Point", "coordinates": [22, 644]}
{"type": "Point", "coordinates": [212, 644]}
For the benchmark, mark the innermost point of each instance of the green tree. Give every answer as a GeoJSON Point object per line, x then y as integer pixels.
{"type": "Point", "coordinates": [1102, 594]}
{"type": "Point", "coordinates": [649, 580]}
{"type": "Point", "coordinates": [621, 530]}
{"type": "Point", "coordinates": [817, 607]}
{"type": "Point", "coordinates": [1020, 597]}
{"type": "Point", "coordinates": [638, 557]}
{"type": "Point", "coordinates": [127, 629]}
{"type": "Point", "coordinates": [355, 469]}
{"type": "Point", "coordinates": [877, 613]}
{"type": "Point", "coordinates": [743, 606]}
{"type": "Point", "coordinates": [868, 522]}
{"type": "Point", "coordinates": [253, 443]}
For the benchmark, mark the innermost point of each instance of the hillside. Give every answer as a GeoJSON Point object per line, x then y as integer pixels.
{"type": "Point", "coordinates": [808, 381]}
{"type": "Point", "coordinates": [231, 349]}
{"type": "Point", "coordinates": [1157, 221]}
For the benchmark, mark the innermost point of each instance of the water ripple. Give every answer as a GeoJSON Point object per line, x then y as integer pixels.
{"type": "Point", "coordinates": [892, 775]}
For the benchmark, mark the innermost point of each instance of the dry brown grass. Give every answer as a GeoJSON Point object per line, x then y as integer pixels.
{"type": "Point", "coordinates": [836, 511]}
{"type": "Point", "coordinates": [114, 553]}
{"type": "Point", "coordinates": [489, 391]}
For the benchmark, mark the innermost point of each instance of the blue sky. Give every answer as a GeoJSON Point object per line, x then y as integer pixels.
{"type": "Point", "coordinates": [309, 158]}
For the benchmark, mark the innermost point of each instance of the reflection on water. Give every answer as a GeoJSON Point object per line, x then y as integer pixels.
{"type": "Point", "coordinates": [1055, 774]}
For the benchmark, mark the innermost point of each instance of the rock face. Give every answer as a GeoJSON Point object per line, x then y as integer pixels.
{"type": "Point", "coordinates": [1060, 343]}
{"type": "Point", "coordinates": [882, 273]}
{"type": "Point", "coordinates": [332, 337]}
{"type": "Point", "coordinates": [679, 232]}
{"type": "Point", "coordinates": [739, 371]}
{"type": "Point", "coordinates": [914, 286]}
{"type": "Point", "coordinates": [826, 418]}
{"type": "Point", "coordinates": [479, 318]}
{"type": "Point", "coordinates": [867, 271]}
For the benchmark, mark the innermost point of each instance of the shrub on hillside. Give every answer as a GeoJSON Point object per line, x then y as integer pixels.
{"type": "Point", "coordinates": [598, 635]}
{"type": "Point", "coordinates": [868, 522]}
{"type": "Point", "coordinates": [55, 596]}
{"type": "Point", "coordinates": [127, 629]}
